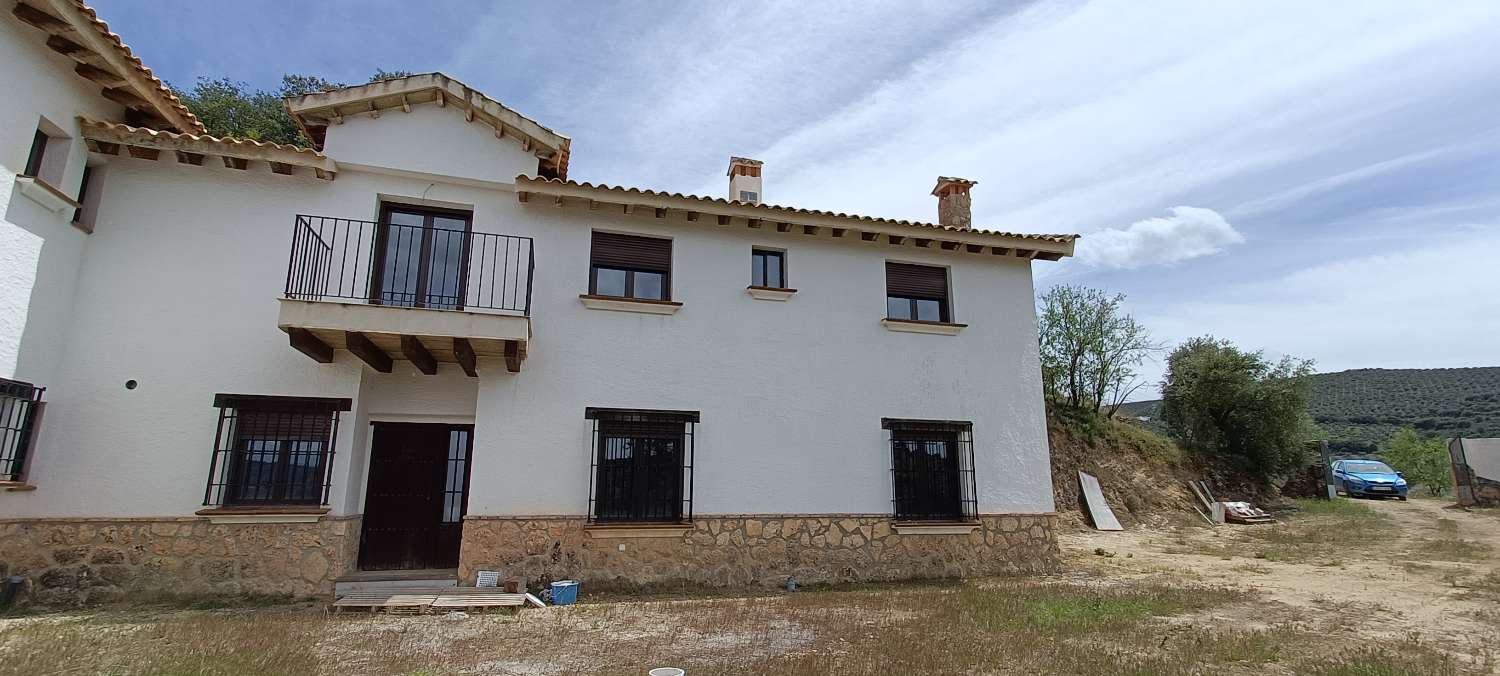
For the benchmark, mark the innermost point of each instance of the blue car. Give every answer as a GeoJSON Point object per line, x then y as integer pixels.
{"type": "Point", "coordinates": [1368, 479]}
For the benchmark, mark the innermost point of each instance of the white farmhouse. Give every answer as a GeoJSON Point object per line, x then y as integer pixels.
{"type": "Point", "coordinates": [419, 350]}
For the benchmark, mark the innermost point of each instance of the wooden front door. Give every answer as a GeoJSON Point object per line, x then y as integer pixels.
{"type": "Point", "coordinates": [416, 496]}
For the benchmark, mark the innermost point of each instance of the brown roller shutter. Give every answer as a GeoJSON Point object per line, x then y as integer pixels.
{"type": "Point", "coordinates": [919, 281]}
{"type": "Point", "coordinates": [632, 253]}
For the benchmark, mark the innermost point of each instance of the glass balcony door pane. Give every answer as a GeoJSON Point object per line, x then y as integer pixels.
{"type": "Point", "coordinates": [423, 260]}
{"type": "Point", "coordinates": [446, 263]}
{"type": "Point", "coordinates": [401, 264]}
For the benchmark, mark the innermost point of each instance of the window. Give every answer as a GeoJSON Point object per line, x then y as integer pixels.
{"type": "Point", "coordinates": [83, 199]}
{"type": "Point", "coordinates": [456, 474]}
{"type": "Point", "coordinates": [49, 154]}
{"type": "Point", "coordinates": [768, 269]}
{"type": "Point", "coordinates": [20, 414]}
{"type": "Point", "coordinates": [273, 450]}
{"type": "Point", "coordinates": [423, 257]}
{"type": "Point", "coordinates": [643, 465]}
{"type": "Point", "coordinates": [932, 470]}
{"type": "Point", "coordinates": [626, 266]}
{"type": "Point", "coordinates": [38, 154]}
{"type": "Point", "coordinates": [916, 292]}
{"type": "Point", "coordinates": [749, 196]}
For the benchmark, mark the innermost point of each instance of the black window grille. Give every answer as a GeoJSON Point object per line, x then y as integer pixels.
{"type": "Point", "coordinates": [456, 474]}
{"type": "Point", "coordinates": [932, 470]}
{"type": "Point", "coordinates": [642, 465]}
{"type": "Point", "coordinates": [20, 416]}
{"type": "Point", "coordinates": [273, 450]}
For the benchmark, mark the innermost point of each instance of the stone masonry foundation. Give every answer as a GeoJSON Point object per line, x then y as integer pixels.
{"type": "Point", "coordinates": [724, 551]}
{"type": "Point", "coordinates": [70, 561]}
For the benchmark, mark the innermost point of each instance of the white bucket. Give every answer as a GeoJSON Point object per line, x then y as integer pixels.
{"type": "Point", "coordinates": [666, 671]}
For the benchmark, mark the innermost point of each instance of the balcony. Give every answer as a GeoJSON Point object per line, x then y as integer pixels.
{"type": "Point", "coordinates": [387, 291]}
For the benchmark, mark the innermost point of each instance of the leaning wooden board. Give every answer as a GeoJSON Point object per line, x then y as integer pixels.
{"type": "Point", "coordinates": [1093, 497]}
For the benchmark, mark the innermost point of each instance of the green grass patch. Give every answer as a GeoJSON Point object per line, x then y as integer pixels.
{"type": "Point", "coordinates": [1451, 549]}
{"type": "Point", "coordinates": [1065, 610]}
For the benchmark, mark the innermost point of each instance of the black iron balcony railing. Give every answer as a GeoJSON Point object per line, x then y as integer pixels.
{"type": "Point", "coordinates": [409, 266]}
{"type": "Point", "coordinates": [20, 415]}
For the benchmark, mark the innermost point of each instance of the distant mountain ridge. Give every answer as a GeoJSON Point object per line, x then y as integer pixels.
{"type": "Point", "coordinates": [1361, 408]}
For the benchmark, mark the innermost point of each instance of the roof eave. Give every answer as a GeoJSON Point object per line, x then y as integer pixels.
{"type": "Point", "coordinates": [315, 110]}
{"type": "Point", "coordinates": [1034, 247]}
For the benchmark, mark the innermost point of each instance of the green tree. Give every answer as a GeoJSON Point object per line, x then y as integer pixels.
{"type": "Point", "coordinates": [1228, 403]}
{"type": "Point", "coordinates": [1090, 348]}
{"type": "Point", "coordinates": [1424, 461]}
{"type": "Point", "coordinates": [230, 108]}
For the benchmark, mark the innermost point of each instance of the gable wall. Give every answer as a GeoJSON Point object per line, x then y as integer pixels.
{"type": "Point", "coordinates": [430, 140]}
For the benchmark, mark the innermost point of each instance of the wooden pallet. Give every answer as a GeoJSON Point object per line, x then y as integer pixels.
{"type": "Point", "coordinates": [413, 601]}
{"type": "Point", "coordinates": [477, 597]}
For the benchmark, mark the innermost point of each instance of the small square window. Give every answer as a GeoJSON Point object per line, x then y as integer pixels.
{"type": "Point", "coordinates": [749, 196]}
{"type": "Point", "coordinates": [768, 269]}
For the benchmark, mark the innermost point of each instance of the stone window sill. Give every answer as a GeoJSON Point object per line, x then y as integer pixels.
{"type": "Point", "coordinates": [17, 486]}
{"type": "Point", "coordinates": [918, 326]}
{"type": "Point", "coordinates": [44, 193]}
{"type": "Point", "coordinates": [638, 530]}
{"type": "Point", "coordinates": [639, 305]}
{"type": "Point", "coordinates": [921, 528]}
{"type": "Point", "coordinates": [769, 292]}
{"type": "Point", "coordinates": [288, 514]}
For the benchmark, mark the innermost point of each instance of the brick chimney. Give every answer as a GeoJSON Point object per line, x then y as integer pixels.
{"type": "Point", "coordinates": [744, 180]}
{"type": "Point", "coordinates": [953, 201]}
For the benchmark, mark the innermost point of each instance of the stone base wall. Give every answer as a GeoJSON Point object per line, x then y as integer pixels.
{"type": "Point", "coordinates": [754, 550]}
{"type": "Point", "coordinates": [91, 560]}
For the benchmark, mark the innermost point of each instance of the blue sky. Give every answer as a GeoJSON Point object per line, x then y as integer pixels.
{"type": "Point", "coordinates": [1315, 179]}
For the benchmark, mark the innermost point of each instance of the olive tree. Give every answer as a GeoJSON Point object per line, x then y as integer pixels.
{"type": "Point", "coordinates": [1090, 348]}
{"type": "Point", "coordinates": [1228, 403]}
{"type": "Point", "coordinates": [1425, 462]}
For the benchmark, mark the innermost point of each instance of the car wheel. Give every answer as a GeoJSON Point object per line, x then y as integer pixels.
{"type": "Point", "coordinates": [1401, 498]}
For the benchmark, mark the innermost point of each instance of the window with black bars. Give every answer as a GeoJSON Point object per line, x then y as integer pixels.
{"type": "Point", "coordinates": [456, 474]}
{"type": "Point", "coordinates": [932, 470]}
{"type": "Point", "coordinates": [273, 450]}
{"type": "Point", "coordinates": [642, 465]}
{"type": "Point", "coordinates": [20, 416]}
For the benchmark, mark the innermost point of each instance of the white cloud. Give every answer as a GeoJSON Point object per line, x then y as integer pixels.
{"type": "Point", "coordinates": [1188, 232]}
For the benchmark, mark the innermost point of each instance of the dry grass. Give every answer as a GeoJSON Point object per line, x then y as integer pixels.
{"type": "Point", "coordinates": [990, 626]}
{"type": "Point", "coordinates": [1322, 533]}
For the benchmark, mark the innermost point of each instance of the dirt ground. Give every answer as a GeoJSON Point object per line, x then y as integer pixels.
{"type": "Point", "coordinates": [1423, 570]}
{"type": "Point", "coordinates": [1340, 588]}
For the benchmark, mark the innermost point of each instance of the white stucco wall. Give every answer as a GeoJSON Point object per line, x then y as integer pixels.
{"type": "Point", "coordinates": [430, 140]}
{"type": "Point", "coordinates": [39, 249]}
{"type": "Point", "coordinates": [178, 290]}
{"type": "Point", "coordinates": [791, 394]}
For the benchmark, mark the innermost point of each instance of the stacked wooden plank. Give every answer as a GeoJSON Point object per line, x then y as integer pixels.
{"type": "Point", "coordinates": [423, 601]}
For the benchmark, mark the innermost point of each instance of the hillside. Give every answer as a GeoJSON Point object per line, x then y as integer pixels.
{"type": "Point", "coordinates": [1143, 474]}
{"type": "Point", "coordinates": [1361, 408]}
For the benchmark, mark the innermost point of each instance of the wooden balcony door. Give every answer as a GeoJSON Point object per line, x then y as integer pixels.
{"type": "Point", "coordinates": [416, 496]}
{"type": "Point", "coordinates": [421, 257]}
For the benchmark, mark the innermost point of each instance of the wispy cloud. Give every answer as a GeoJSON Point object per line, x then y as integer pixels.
{"type": "Point", "coordinates": [1186, 233]}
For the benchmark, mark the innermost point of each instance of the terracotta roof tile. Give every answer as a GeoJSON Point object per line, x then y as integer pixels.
{"type": "Point", "coordinates": [773, 208]}
{"type": "Point", "coordinates": [162, 89]}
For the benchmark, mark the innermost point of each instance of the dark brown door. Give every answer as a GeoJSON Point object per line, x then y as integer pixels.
{"type": "Point", "coordinates": [416, 496]}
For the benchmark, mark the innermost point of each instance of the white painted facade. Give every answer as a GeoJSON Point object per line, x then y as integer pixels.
{"type": "Point", "coordinates": [177, 289]}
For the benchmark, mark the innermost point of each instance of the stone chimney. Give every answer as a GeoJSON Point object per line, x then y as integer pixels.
{"type": "Point", "coordinates": [744, 180]}
{"type": "Point", "coordinates": [953, 201]}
